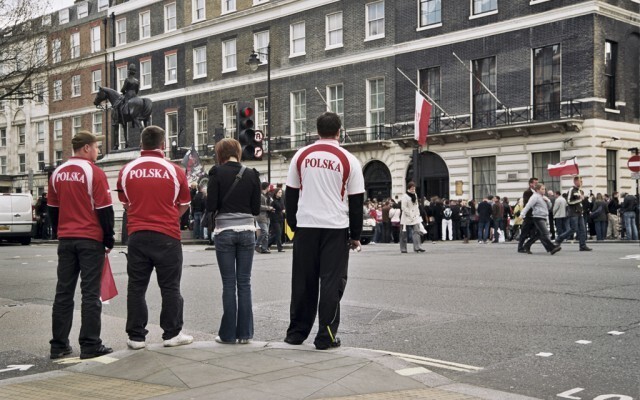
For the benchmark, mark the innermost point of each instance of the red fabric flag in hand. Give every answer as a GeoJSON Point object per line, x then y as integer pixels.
{"type": "Point", "coordinates": [108, 289]}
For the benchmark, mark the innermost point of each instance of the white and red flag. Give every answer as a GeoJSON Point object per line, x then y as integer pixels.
{"type": "Point", "coordinates": [423, 114]}
{"type": "Point", "coordinates": [566, 167]}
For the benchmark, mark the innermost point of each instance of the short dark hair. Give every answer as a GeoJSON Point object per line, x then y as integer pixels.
{"type": "Point", "coordinates": [152, 137]}
{"type": "Point", "coordinates": [411, 184]}
{"type": "Point", "coordinates": [82, 139]}
{"type": "Point", "coordinates": [227, 148]}
{"type": "Point", "coordinates": [264, 185]}
{"type": "Point", "coordinates": [532, 179]}
{"type": "Point", "coordinates": [328, 124]}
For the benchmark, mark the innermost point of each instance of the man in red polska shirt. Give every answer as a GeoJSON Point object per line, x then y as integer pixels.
{"type": "Point", "coordinates": [155, 194]}
{"type": "Point", "coordinates": [82, 215]}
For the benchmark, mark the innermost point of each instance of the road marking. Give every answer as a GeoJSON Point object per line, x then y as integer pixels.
{"type": "Point", "coordinates": [25, 263]}
{"type": "Point", "coordinates": [583, 341]}
{"type": "Point", "coordinates": [76, 360]}
{"type": "Point", "coordinates": [631, 257]}
{"type": "Point", "coordinates": [432, 362]}
{"type": "Point", "coordinates": [615, 333]}
{"type": "Point", "coordinates": [412, 371]}
{"type": "Point", "coordinates": [544, 354]}
{"type": "Point", "coordinates": [16, 368]}
{"type": "Point", "coordinates": [568, 393]}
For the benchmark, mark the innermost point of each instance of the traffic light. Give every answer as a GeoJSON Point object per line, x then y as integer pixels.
{"type": "Point", "coordinates": [250, 140]}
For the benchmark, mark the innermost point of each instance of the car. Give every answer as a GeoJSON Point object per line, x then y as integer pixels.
{"type": "Point", "coordinates": [368, 228]}
{"type": "Point", "coordinates": [16, 217]}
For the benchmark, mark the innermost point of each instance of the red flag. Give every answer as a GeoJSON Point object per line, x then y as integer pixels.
{"type": "Point", "coordinates": [566, 167]}
{"type": "Point", "coordinates": [108, 289]}
{"type": "Point", "coordinates": [423, 114]}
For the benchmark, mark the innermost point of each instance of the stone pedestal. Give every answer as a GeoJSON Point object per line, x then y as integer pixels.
{"type": "Point", "coordinates": [133, 137]}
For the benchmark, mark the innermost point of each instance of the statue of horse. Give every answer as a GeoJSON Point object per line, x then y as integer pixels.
{"type": "Point", "coordinates": [137, 111]}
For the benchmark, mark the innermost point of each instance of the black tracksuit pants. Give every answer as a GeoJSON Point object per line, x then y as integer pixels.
{"type": "Point", "coordinates": [318, 255]}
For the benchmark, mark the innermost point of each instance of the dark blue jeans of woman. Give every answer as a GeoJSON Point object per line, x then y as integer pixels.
{"type": "Point", "coordinates": [234, 252]}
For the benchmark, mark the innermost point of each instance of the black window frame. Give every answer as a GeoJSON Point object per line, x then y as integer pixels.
{"type": "Point", "coordinates": [483, 102]}
{"type": "Point", "coordinates": [539, 163]}
{"type": "Point", "coordinates": [610, 66]}
{"type": "Point", "coordinates": [547, 75]}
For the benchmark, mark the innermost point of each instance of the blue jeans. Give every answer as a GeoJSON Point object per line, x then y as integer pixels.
{"type": "Point", "coordinates": [483, 230]}
{"type": "Point", "coordinates": [234, 252]}
{"type": "Point", "coordinates": [562, 225]}
{"type": "Point", "coordinates": [576, 224]}
{"type": "Point", "coordinates": [263, 239]}
{"type": "Point", "coordinates": [197, 229]}
{"type": "Point", "coordinates": [601, 229]}
{"type": "Point", "coordinates": [629, 218]}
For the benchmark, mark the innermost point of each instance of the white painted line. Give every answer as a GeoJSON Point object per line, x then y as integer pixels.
{"type": "Point", "coordinates": [25, 263]}
{"type": "Point", "coordinates": [433, 360]}
{"type": "Point", "coordinates": [631, 257]}
{"type": "Point", "coordinates": [583, 341]}
{"type": "Point", "coordinates": [615, 333]}
{"type": "Point", "coordinates": [76, 360]}
{"type": "Point", "coordinates": [412, 371]}
{"type": "Point", "coordinates": [17, 368]}
{"type": "Point", "coordinates": [50, 261]}
{"type": "Point", "coordinates": [544, 354]}
{"type": "Point", "coordinates": [568, 393]}
{"type": "Point", "coordinates": [436, 365]}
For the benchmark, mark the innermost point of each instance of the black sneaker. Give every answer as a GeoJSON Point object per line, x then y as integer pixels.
{"type": "Point", "coordinates": [555, 250]}
{"type": "Point", "coordinates": [293, 341]}
{"type": "Point", "coordinates": [585, 248]}
{"type": "Point", "coordinates": [331, 345]}
{"type": "Point", "coordinates": [55, 354]}
{"type": "Point", "coordinates": [100, 351]}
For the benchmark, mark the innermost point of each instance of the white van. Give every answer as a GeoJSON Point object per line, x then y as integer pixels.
{"type": "Point", "coordinates": [16, 217]}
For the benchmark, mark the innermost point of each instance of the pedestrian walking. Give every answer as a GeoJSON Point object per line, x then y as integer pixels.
{"type": "Point", "coordinates": [575, 196]}
{"type": "Point", "coordinates": [81, 214]}
{"type": "Point", "coordinates": [323, 202]}
{"type": "Point", "coordinates": [198, 208]}
{"type": "Point", "coordinates": [263, 219]}
{"type": "Point", "coordinates": [527, 220]}
{"type": "Point", "coordinates": [539, 204]}
{"type": "Point", "coordinates": [155, 194]}
{"type": "Point", "coordinates": [277, 220]}
{"type": "Point", "coordinates": [410, 220]}
{"type": "Point", "coordinates": [235, 200]}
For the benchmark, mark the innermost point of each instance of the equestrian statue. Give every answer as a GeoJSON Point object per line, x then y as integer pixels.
{"type": "Point", "coordinates": [126, 106]}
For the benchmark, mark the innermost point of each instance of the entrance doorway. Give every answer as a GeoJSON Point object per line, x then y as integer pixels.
{"type": "Point", "coordinates": [433, 176]}
{"type": "Point", "coordinates": [377, 180]}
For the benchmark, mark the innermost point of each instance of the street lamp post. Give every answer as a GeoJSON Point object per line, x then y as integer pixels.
{"type": "Point", "coordinates": [254, 63]}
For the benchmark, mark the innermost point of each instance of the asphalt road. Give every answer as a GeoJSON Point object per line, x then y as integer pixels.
{"type": "Point", "coordinates": [478, 314]}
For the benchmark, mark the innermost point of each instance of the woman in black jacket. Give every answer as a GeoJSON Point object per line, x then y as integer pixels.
{"type": "Point", "coordinates": [277, 219]}
{"type": "Point", "coordinates": [234, 199]}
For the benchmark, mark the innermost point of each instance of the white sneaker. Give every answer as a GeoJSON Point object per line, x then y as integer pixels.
{"type": "Point", "coordinates": [178, 340]}
{"type": "Point", "coordinates": [244, 341]}
{"type": "Point", "coordinates": [133, 345]}
{"type": "Point", "coordinates": [217, 339]}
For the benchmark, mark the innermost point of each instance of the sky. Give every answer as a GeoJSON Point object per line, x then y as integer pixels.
{"type": "Point", "coordinates": [60, 4]}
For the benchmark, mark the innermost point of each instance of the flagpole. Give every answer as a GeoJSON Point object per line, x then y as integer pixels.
{"type": "Point", "coordinates": [346, 136]}
{"type": "Point", "coordinates": [477, 79]}
{"type": "Point", "coordinates": [424, 94]}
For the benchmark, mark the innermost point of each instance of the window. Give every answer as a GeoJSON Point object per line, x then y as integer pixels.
{"type": "Point", "coordinates": [229, 55]}
{"type": "Point", "coordinates": [540, 161]}
{"type": "Point", "coordinates": [546, 82]}
{"type": "Point", "coordinates": [298, 113]}
{"type": "Point", "coordinates": [58, 158]}
{"type": "Point", "coordinates": [334, 30]}
{"type": "Point", "coordinates": [95, 39]}
{"type": "Point", "coordinates": [57, 90]}
{"type": "Point", "coordinates": [63, 16]}
{"type": "Point", "coordinates": [145, 74]}
{"type": "Point", "coordinates": [483, 6]}
{"type": "Point", "coordinates": [97, 123]}
{"type": "Point", "coordinates": [96, 80]}
{"type": "Point", "coordinates": [430, 12]}
{"type": "Point", "coordinates": [41, 163]}
{"type": "Point", "coordinates": [3, 165]}
{"type": "Point", "coordinates": [375, 20]}
{"type": "Point", "coordinates": [198, 10]}
{"type": "Point", "coordinates": [41, 51]}
{"type": "Point", "coordinates": [46, 20]}
{"type": "Point", "coordinates": [121, 31]}
{"type": "Point", "coordinates": [484, 104]}
{"type": "Point", "coordinates": [170, 17]}
{"type": "Point", "coordinates": [74, 41]}
{"type": "Point", "coordinates": [57, 129]}
{"type": "Point", "coordinates": [21, 134]}
{"type": "Point", "coordinates": [612, 167]}
{"type": "Point", "coordinates": [22, 159]}
{"type": "Point", "coordinates": [83, 10]}
{"type": "Point", "coordinates": [171, 119]}
{"type": "Point", "coordinates": [75, 86]}
{"type": "Point", "coordinates": [170, 68]}
{"type": "Point", "coordinates": [77, 124]}
{"type": "Point", "coordinates": [335, 99]}
{"type": "Point", "coordinates": [261, 115]}
{"type": "Point", "coordinates": [3, 137]}
{"type": "Point", "coordinates": [261, 45]}
{"type": "Point", "coordinates": [297, 35]}
{"type": "Point", "coordinates": [55, 51]}
{"type": "Point", "coordinates": [39, 92]}
{"type": "Point", "coordinates": [200, 62]}
{"type": "Point", "coordinates": [200, 117]}
{"type": "Point", "coordinates": [103, 4]}
{"type": "Point", "coordinates": [610, 61]}
{"type": "Point", "coordinates": [430, 82]}
{"type": "Point", "coordinates": [229, 115]}
{"type": "Point", "coordinates": [40, 131]}
{"type": "Point", "coordinates": [121, 74]}
{"type": "Point", "coordinates": [375, 105]}
{"type": "Point", "coordinates": [484, 176]}
{"type": "Point", "coordinates": [228, 6]}
{"type": "Point", "coordinates": [145, 24]}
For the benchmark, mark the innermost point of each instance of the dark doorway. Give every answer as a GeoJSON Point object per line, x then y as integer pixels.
{"type": "Point", "coordinates": [433, 175]}
{"type": "Point", "coordinates": [377, 180]}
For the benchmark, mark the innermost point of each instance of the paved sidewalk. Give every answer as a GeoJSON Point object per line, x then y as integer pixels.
{"type": "Point", "coordinates": [260, 370]}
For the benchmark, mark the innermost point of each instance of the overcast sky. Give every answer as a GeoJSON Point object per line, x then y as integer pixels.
{"type": "Point", "coordinates": [60, 4]}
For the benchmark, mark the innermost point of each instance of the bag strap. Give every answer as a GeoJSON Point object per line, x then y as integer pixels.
{"type": "Point", "coordinates": [233, 186]}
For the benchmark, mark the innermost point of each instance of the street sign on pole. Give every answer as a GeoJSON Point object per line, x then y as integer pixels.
{"type": "Point", "coordinates": [634, 163]}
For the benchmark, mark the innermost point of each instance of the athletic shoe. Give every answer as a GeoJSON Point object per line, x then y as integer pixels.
{"type": "Point", "coordinates": [585, 248]}
{"type": "Point", "coordinates": [555, 250]}
{"type": "Point", "coordinates": [55, 354]}
{"type": "Point", "coordinates": [135, 345]}
{"type": "Point", "coordinates": [217, 339]}
{"type": "Point", "coordinates": [179, 340]}
{"type": "Point", "coordinates": [293, 341]}
{"type": "Point", "coordinates": [100, 351]}
{"type": "Point", "coordinates": [244, 341]}
{"type": "Point", "coordinates": [331, 345]}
